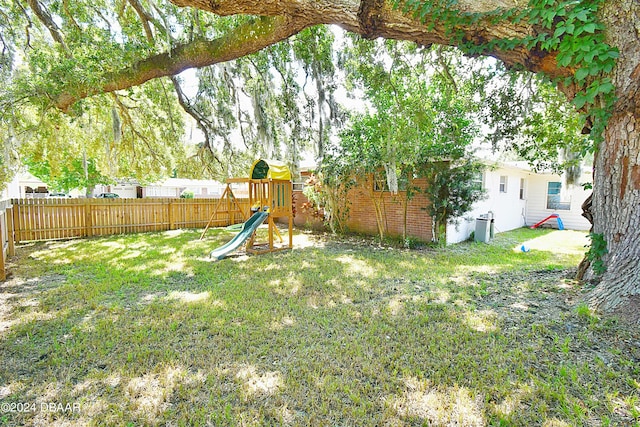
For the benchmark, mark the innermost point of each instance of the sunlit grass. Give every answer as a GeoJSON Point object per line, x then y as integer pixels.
{"type": "Point", "coordinates": [146, 330]}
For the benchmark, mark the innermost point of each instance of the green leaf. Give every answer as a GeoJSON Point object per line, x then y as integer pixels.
{"type": "Point", "coordinates": [588, 56]}
{"type": "Point", "coordinates": [586, 46]}
{"type": "Point", "coordinates": [581, 74]}
{"type": "Point", "coordinates": [613, 53]}
{"type": "Point", "coordinates": [608, 66]}
{"type": "Point", "coordinates": [564, 59]}
{"type": "Point", "coordinates": [606, 87]}
{"type": "Point", "coordinates": [560, 30]}
{"type": "Point", "coordinates": [570, 28]}
{"type": "Point", "coordinates": [582, 15]}
{"type": "Point", "coordinates": [579, 100]}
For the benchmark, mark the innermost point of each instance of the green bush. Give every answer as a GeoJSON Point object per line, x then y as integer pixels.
{"type": "Point", "coordinates": [186, 194]}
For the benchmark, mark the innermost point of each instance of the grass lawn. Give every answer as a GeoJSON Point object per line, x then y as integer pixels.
{"type": "Point", "coordinates": [146, 330]}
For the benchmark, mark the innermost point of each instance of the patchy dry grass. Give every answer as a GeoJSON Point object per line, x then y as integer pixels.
{"type": "Point", "coordinates": [145, 330]}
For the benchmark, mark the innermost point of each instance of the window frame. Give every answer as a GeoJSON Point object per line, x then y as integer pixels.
{"type": "Point", "coordinates": [478, 181]}
{"type": "Point", "coordinates": [403, 183]}
{"type": "Point", "coordinates": [555, 199]}
{"type": "Point", "coordinates": [504, 186]}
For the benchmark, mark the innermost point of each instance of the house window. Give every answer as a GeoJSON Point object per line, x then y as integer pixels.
{"type": "Point", "coordinates": [522, 182]}
{"type": "Point", "coordinates": [554, 197]}
{"type": "Point", "coordinates": [503, 183]}
{"type": "Point", "coordinates": [403, 182]}
{"type": "Point", "coordinates": [477, 181]}
{"type": "Point", "coordinates": [380, 182]}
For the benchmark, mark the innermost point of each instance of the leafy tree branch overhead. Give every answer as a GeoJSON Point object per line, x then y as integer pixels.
{"type": "Point", "coordinates": [237, 43]}
{"type": "Point", "coordinates": [273, 22]}
{"type": "Point", "coordinates": [58, 54]}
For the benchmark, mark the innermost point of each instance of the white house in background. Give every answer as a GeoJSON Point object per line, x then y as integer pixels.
{"type": "Point", "coordinates": [550, 194]}
{"type": "Point", "coordinates": [13, 189]}
{"type": "Point", "coordinates": [173, 187]}
{"type": "Point", "coordinates": [29, 186]}
{"type": "Point", "coordinates": [26, 186]}
{"type": "Point", "coordinates": [518, 197]}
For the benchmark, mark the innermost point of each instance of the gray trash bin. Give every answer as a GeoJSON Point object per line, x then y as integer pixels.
{"type": "Point", "coordinates": [483, 230]}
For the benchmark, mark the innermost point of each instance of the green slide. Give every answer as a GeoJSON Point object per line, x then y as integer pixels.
{"type": "Point", "coordinates": [248, 228]}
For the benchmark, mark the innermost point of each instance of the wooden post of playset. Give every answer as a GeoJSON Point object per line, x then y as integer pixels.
{"type": "Point", "coordinates": [231, 209]}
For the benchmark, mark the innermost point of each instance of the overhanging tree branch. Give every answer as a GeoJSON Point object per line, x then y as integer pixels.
{"type": "Point", "coordinates": [245, 39]}
{"type": "Point", "coordinates": [378, 18]}
{"type": "Point", "coordinates": [44, 16]}
{"type": "Point", "coordinates": [281, 19]}
{"type": "Point", "coordinates": [203, 123]}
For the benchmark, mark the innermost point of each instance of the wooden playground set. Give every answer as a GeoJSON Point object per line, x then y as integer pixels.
{"type": "Point", "coordinates": [270, 198]}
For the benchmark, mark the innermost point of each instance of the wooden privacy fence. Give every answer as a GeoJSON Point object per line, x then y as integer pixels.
{"type": "Point", "coordinates": [47, 219]}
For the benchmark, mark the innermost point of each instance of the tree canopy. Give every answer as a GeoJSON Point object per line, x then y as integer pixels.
{"type": "Point", "coordinates": [260, 102]}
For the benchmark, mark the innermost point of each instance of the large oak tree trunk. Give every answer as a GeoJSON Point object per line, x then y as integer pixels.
{"type": "Point", "coordinates": [616, 188]}
{"type": "Point", "coordinates": [616, 215]}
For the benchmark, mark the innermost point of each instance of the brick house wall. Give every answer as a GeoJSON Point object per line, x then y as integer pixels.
{"type": "Point", "coordinates": [362, 217]}
{"type": "Point", "coordinates": [302, 219]}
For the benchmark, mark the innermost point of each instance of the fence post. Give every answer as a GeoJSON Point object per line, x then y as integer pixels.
{"type": "Point", "coordinates": [16, 219]}
{"type": "Point", "coordinates": [171, 219]}
{"type": "Point", "coordinates": [88, 223]}
{"type": "Point", "coordinates": [10, 231]}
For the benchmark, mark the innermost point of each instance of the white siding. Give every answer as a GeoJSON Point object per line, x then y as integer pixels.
{"type": "Point", "coordinates": [13, 189]}
{"type": "Point", "coordinates": [125, 191]}
{"type": "Point", "coordinates": [508, 210]}
{"type": "Point", "coordinates": [159, 191]}
{"type": "Point", "coordinates": [537, 201]}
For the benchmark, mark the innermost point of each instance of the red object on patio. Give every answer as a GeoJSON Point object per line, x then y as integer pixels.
{"type": "Point", "coordinates": [552, 216]}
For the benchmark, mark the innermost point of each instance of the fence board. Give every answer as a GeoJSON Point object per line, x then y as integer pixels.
{"type": "Point", "coordinates": [47, 219]}
{"type": "Point", "coordinates": [6, 236]}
